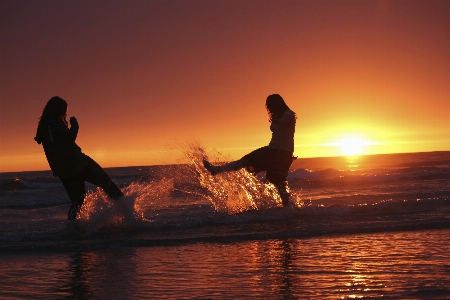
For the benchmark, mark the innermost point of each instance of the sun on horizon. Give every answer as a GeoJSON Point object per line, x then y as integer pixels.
{"type": "Point", "coordinates": [352, 145]}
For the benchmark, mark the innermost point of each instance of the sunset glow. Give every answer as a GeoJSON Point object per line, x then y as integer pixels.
{"type": "Point", "coordinates": [352, 146]}
{"type": "Point", "coordinates": [141, 75]}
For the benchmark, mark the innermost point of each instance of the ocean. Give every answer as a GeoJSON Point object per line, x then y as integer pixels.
{"type": "Point", "coordinates": [373, 227]}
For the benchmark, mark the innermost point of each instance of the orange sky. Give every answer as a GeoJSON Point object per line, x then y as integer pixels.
{"type": "Point", "coordinates": [144, 77]}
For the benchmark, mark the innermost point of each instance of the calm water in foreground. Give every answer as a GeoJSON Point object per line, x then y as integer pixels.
{"type": "Point", "coordinates": [400, 265]}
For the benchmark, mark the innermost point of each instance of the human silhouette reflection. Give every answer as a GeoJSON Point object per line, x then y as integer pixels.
{"type": "Point", "coordinates": [286, 270]}
{"type": "Point", "coordinates": [104, 274]}
{"type": "Point", "coordinates": [78, 283]}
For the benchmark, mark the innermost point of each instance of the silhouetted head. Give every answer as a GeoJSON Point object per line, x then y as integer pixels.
{"type": "Point", "coordinates": [276, 106]}
{"type": "Point", "coordinates": [56, 108]}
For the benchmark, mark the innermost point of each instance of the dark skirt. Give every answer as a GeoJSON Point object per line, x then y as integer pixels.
{"type": "Point", "coordinates": [275, 161]}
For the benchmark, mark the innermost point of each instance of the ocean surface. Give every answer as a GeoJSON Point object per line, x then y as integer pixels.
{"type": "Point", "coordinates": [373, 227]}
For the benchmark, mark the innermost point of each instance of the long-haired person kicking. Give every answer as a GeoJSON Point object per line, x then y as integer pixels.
{"type": "Point", "coordinates": [276, 158]}
{"type": "Point", "coordinates": [65, 158]}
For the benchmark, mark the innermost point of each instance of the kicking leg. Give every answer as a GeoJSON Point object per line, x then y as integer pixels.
{"type": "Point", "coordinates": [232, 166]}
{"type": "Point", "coordinates": [96, 175]}
{"type": "Point", "coordinates": [112, 190]}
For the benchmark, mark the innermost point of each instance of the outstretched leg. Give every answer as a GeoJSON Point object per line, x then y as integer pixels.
{"type": "Point", "coordinates": [76, 189]}
{"type": "Point", "coordinates": [96, 175]}
{"type": "Point", "coordinates": [232, 166]}
{"type": "Point", "coordinates": [113, 190]}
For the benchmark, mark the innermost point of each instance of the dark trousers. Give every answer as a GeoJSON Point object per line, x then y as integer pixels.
{"type": "Point", "coordinates": [76, 189]}
{"type": "Point", "coordinates": [276, 162]}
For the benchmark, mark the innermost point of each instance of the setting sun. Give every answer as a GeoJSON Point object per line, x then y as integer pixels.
{"type": "Point", "coordinates": [145, 76]}
{"type": "Point", "coordinates": [352, 145]}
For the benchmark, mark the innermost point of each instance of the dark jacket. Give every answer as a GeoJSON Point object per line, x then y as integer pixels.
{"type": "Point", "coordinates": [63, 154]}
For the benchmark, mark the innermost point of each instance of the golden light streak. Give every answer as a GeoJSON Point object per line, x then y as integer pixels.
{"type": "Point", "coordinates": [352, 145]}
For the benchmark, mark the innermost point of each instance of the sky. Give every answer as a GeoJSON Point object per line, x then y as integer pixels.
{"type": "Point", "coordinates": [147, 78]}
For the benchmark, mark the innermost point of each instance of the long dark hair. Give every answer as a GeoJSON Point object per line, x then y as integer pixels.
{"type": "Point", "coordinates": [276, 107]}
{"type": "Point", "coordinates": [56, 107]}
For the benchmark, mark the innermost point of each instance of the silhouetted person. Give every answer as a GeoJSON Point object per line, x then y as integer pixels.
{"type": "Point", "coordinates": [276, 158]}
{"type": "Point", "coordinates": [65, 158]}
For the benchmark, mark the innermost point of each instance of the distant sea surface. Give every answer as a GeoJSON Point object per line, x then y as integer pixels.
{"type": "Point", "coordinates": [373, 227]}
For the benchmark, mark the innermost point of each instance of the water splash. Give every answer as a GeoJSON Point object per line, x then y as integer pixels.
{"type": "Point", "coordinates": [99, 211]}
{"type": "Point", "coordinates": [233, 192]}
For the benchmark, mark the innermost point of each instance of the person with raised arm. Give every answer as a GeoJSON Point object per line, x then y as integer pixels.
{"type": "Point", "coordinates": [66, 159]}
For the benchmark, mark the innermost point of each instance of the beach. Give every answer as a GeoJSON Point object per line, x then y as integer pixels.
{"type": "Point", "coordinates": [373, 227]}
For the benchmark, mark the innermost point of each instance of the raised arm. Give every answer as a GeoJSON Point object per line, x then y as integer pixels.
{"type": "Point", "coordinates": [73, 128]}
{"type": "Point", "coordinates": [61, 133]}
